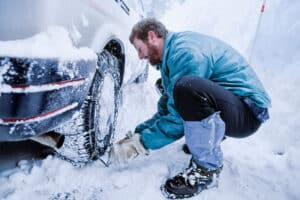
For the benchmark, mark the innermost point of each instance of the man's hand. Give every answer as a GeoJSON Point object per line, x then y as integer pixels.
{"type": "Point", "coordinates": [127, 149]}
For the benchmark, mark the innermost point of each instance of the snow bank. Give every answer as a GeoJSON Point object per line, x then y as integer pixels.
{"type": "Point", "coordinates": [278, 41]}
{"type": "Point", "coordinates": [53, 43]}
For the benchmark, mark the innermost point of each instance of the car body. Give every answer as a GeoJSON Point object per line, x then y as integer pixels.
{"type": "Point", "coordinates": [38, 91]}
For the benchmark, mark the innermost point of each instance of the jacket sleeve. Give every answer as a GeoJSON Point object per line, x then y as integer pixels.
{"type": "Point", "coordinates": [169, 128]}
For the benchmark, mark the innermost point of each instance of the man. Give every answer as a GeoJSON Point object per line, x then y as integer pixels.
{"type": "Point", "coordinates": [209, 91]}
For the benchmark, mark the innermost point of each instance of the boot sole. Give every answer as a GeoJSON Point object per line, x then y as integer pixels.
{"type": "Point", "coordinates": [184, 196]}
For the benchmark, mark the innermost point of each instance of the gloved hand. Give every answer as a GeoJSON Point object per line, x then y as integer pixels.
{"type": "Point", "coordinates": [128, 148]}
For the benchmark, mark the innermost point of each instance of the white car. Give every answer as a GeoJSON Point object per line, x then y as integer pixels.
{"type": "Point", "coordinates": [62, 65]}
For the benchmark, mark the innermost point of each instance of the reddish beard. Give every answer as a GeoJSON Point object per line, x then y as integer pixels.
{"type": "Point", "coordinates": [153, 54]}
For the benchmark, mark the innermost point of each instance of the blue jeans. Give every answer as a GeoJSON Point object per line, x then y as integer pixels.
{"type": "Point", "coordinates": [204, 139]}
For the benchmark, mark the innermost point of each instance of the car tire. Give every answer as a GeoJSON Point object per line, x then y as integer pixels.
{"type": "Point", "coordinates": [93, 127]}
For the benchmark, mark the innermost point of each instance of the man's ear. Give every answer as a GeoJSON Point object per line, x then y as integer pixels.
{"type": "Point", "coordinates": [152, 36]}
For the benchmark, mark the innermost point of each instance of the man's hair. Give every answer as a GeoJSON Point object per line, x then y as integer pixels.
{"type": "Point", "coordinates": [140, 30]}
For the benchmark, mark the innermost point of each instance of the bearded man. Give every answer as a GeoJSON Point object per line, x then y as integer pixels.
{"type": "Point", "coordinates": [209, 92]}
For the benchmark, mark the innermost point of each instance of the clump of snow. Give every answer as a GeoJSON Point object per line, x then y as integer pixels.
{"type": "Point", "coordinates": [53, 43]}
{"type": "Point", "coordinates": [3, 70]}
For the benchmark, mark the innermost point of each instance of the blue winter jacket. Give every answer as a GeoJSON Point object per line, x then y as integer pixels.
{"type": "Point", "coordinates": [189, 53]}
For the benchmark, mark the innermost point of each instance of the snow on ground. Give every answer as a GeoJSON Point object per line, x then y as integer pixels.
{"type": "Point", "coordinates": [263, 166]}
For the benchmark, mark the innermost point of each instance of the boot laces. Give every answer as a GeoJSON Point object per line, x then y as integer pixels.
{"type": "Point", "coordinates": [194, 174]}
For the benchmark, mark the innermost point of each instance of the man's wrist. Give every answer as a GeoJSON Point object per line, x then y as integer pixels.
{"type": "Point", "coordinates": [142, 142]}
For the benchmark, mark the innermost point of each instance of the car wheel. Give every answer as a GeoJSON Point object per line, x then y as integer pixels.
{"type": "Point", "coordinates": [93, 126]}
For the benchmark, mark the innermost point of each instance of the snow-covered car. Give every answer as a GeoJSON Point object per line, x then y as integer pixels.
{"type": "Point", "coordinates": [62, 65]}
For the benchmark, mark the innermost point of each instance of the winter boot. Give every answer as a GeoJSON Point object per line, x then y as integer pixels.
{"type": "Point", "coordinates": [190, 182]}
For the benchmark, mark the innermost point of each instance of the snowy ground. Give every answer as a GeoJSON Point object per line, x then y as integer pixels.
{"type": "Point", "coordinates": [263, 166]}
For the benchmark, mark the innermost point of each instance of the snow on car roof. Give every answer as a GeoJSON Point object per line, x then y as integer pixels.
{"type": "Point", "coordinates": [52, 43]}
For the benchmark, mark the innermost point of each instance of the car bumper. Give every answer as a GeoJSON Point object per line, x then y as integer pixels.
{"type": "Point", "coordinates": [37, 95]}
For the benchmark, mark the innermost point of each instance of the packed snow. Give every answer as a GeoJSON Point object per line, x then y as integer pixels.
{"type": "Point", "coordinates": [263, 166]}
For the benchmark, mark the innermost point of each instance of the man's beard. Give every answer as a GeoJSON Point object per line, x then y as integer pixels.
{"type": "Point", "coordinates": [153, 54]}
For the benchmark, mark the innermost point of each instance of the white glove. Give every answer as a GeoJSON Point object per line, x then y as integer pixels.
{"type": "Point", "coordinates": [127, 149]}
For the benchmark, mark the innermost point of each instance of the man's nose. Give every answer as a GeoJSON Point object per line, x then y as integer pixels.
{"type": "Point", "coordinates": [142, 56]}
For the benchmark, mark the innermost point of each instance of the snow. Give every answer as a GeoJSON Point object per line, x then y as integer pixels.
{"type": "Point", "coordinates": [3, 70]}
{"type": "Point", "coordinates": [54, 42]}
{"type": "Point", "coordinates": [85, 21]}
{"type": "Point", "coordinates": [263, 166]}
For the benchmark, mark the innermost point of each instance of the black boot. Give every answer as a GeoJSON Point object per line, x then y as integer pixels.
{"type": "Point", "coordinates": [190, 182]}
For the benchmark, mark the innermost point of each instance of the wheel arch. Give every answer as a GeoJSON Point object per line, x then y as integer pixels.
{"type": "Point", "coordinates": [110, 36]}
{"type": "Point", "coordinates": [116, 48]}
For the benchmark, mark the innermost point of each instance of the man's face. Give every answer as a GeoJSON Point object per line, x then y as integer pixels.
{"type": "Point", "coordinates": [147, 50]}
